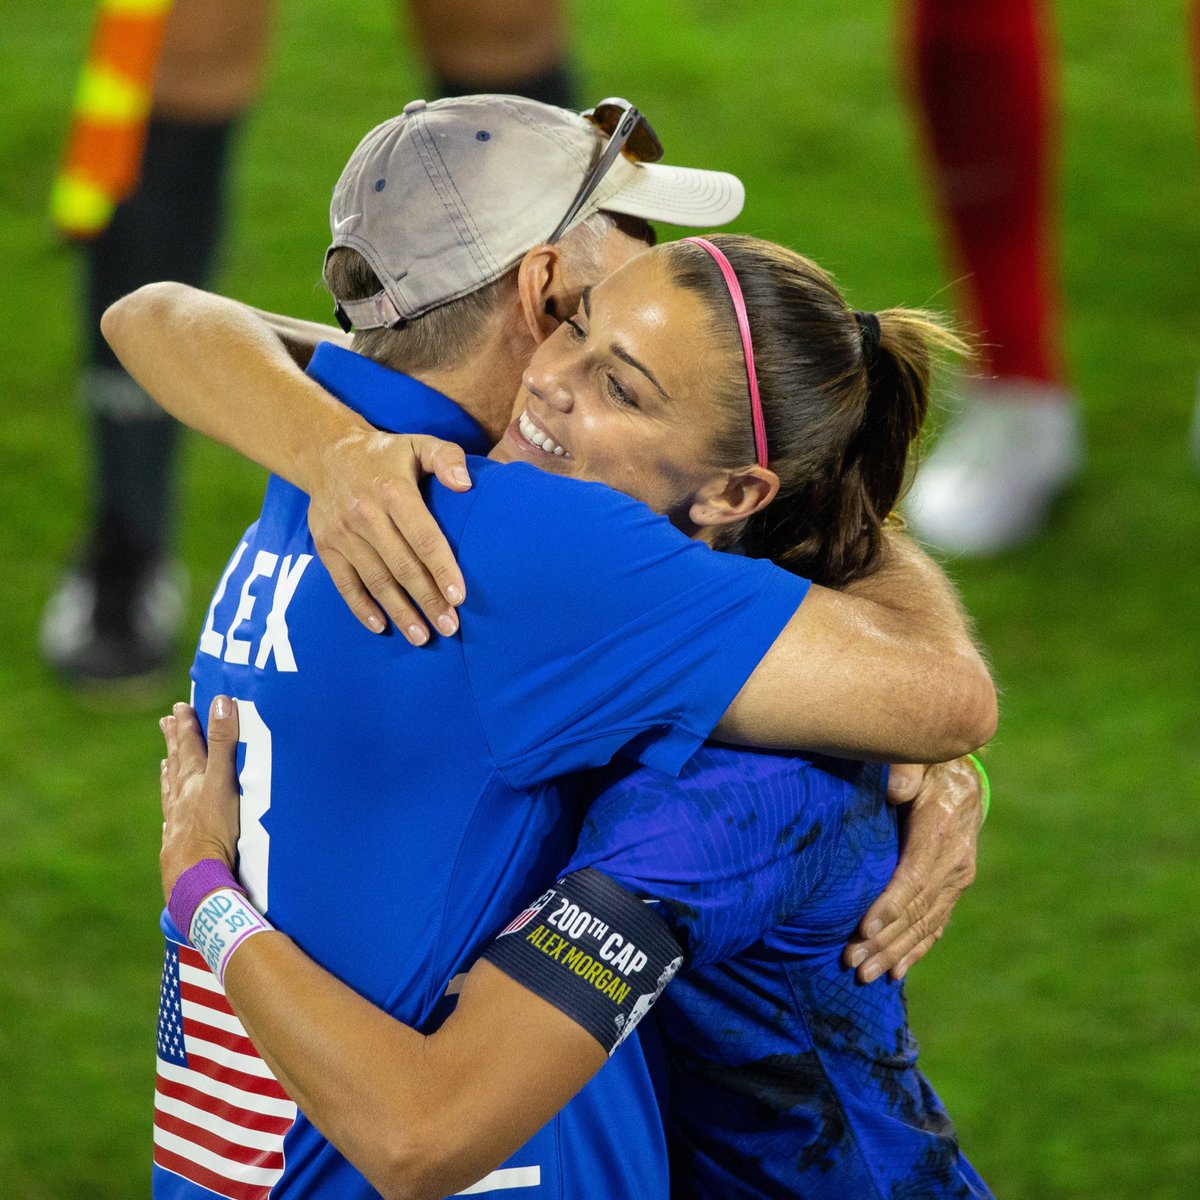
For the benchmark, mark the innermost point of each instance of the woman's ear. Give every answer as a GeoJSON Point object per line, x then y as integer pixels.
{"type": "Point", "coordinates": [732, 496]}
{"type": "Point", "coordinates": [540, 285]}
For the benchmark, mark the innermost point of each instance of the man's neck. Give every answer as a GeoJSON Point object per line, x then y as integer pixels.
{"type": "Point", "coordinates": [486, 379]}
{"type": "Point", "coordinates": [474, 388]}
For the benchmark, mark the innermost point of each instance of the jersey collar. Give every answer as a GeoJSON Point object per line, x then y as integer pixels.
{"type": "Point", "coordinates": [394, 401]}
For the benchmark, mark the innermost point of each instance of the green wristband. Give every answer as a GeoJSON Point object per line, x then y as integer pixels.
{"type": "Point", "coordinates": [985, 787]}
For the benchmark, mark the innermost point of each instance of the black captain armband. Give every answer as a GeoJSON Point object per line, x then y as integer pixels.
{"type": "Point", "coordinates": [594, 951]}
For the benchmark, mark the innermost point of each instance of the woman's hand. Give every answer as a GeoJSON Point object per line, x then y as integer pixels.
{"type": "Point", "coordinates": [370, 525]}
{"type": "Point", "coordinates": [937, 864]}
{"type": "Point", "coordinates": [199, 789]}
{"type": "Point", "coordinates": [374, 533]}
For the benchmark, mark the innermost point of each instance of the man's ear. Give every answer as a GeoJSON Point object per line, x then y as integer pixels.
{"type": "Point", "coordinates": [540, 285]}
{"type": "Point", "coordinates": [732, 496]}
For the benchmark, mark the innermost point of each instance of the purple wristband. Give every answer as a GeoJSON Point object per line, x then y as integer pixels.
{"type": "Point", "coordinates": [193, 885]}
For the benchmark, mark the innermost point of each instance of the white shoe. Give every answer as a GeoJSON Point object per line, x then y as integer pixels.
{"type": "Point", "coordinates": [114, 619]}
{"type": "Point", "coordinates": [997, 468]}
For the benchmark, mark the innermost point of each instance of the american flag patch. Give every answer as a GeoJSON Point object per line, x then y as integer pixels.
{"type": "Point", "coordinates": [523, 918]}
{"type": "Point", "coordinates": [220, 1116]}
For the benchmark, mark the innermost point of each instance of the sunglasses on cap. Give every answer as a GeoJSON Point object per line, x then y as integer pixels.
{"type": "Point", "coordinates": [628, 133]}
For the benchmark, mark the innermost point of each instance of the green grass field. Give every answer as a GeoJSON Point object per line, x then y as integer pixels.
{"type": "Point", "coordinates": [1060, 1017]}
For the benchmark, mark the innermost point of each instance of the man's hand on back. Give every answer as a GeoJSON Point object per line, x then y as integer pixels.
{"type": "Point", "coordinates": [937, 864]}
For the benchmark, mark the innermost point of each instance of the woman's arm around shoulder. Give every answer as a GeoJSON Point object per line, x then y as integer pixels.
{"type": "Point", "coordinates": [232, 373]}
{"type": "Point", "coordinates": [887, 669]}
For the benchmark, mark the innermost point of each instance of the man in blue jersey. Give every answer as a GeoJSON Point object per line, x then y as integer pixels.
{"type": "Point", "coordinates": [390, 828]}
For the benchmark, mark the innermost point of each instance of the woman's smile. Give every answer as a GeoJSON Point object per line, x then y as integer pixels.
{"type": "Point", "coordinates": [537, 437]}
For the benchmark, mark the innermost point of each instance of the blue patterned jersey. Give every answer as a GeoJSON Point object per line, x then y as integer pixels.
{"type": "Point", "coordinates": [787, 1077]}
{"type": "Point", "coordinates": [398, 802]}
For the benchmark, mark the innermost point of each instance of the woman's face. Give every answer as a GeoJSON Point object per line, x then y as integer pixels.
{"type": "Point", "coordinates": [622, 393]}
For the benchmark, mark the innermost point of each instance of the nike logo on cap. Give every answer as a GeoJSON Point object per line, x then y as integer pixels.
{"type": "Point", "coordinates": [344, 220]}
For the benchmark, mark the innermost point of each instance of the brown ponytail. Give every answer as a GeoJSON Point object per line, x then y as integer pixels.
{"type": "Point", "coordinates": [844, 396]}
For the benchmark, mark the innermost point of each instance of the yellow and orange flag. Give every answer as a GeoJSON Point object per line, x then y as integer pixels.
{"type": "Point", "coordinates": [103, 154]}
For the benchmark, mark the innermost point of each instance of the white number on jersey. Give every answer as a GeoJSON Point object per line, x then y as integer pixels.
{"type": "Point", "coordinates": [254, 844]}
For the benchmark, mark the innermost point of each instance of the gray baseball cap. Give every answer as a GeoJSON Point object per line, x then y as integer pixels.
{"type": "Point", "coordinates": [446, 197]}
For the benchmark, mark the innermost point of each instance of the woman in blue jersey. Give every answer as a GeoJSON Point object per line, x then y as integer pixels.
{"type": "Point", "coordinates": [747, 874]}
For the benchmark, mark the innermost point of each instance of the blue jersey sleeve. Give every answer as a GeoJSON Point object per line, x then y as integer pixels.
{"type": "Point", "coordinates": [593, 626]}
{"type": "Point", "coordinates": [731, 849]}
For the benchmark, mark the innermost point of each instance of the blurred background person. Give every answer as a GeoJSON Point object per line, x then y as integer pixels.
{"type": "Point", "coordinates": [143, 187]}
{"type": "Point", "coordinates": [984, 82]}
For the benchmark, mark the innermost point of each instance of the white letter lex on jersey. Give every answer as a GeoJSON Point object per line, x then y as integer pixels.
{"type": "Point", "coordinates": [274, 639]}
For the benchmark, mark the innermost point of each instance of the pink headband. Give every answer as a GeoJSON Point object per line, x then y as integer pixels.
{"type": "Point", "coordinates": [739, 307]}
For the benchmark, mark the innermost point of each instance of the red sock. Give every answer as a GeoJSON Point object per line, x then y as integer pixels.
{"type": "Point", "coordinates": [981, 83]}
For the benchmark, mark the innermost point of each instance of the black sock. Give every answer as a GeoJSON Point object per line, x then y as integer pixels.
{"type": "Point", "coordinates": [168, 229]}
{"type": "Point", "coordinates": [556, 85]}
{"type": "Point", "coordinates": [134, 445]}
